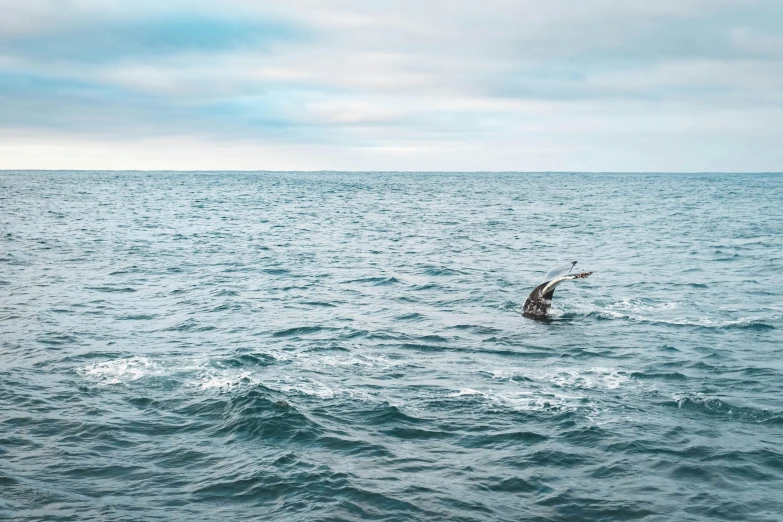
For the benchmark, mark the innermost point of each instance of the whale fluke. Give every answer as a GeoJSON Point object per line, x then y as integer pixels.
{"type": "Point", "coordinates": [540, 299]}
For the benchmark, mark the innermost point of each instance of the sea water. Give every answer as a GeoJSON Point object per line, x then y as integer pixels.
{"type": "Point", "coordinates": [349, 346]}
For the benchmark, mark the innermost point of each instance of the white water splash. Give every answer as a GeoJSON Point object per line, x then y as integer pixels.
{"type": "Point", "coordinates": [598, 378]}
{"type": "Point", "coordinates": [120, 371]}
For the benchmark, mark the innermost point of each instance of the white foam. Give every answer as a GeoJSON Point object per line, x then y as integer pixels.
{"type": "Point", "coordinates": [305, 386]}
{"type": "Point", "coordinates": [533, 401]}
{"type": "Point", "coordinates": [465, 391]}
{"type": "Point", "coordinates": [120, 371]}
{"type": "Point", "coordinates": [222, 381]}
{"type": "Point", "coordinates": [592, 378]}
{"type": "Point", "coordinates": [638, 310]}
{"type": "Point", "coordinates": [589, 378]}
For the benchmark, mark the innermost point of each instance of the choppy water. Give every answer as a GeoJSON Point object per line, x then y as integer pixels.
{"type": "Point", "coordinates": [287, 346]}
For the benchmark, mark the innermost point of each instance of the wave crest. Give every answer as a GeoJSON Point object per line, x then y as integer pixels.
{"type": "Point", "coordinates": [717, 407]}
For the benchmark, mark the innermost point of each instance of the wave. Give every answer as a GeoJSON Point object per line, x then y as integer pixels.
{"type": "Point", "coordinates": [441, 271]}
{"type": "Point", "coordinates": [300, 330]}
{"type": "Point", "coordinates": [500, 440]}
{"type": "Point", "coordinates": [553, 391]}
{"type": "Point", "coordinates": [477, 329]}
{"type": "Point", "coordinates": [585, 379]}
{"type": "Point", "coordinates": [427, 286]}
{"type": "Point", "coordinates": [671, 376]}
{"type": "Point", "coordinates": [639, 311]}
{"type": "Point", "coordinates": [718, 408]}
{"type": "Point", "coordinates": [137, 317]}
{"type": "Point", "coordinates": [376, 281]}
{"type": "Point", "coordinates": [232, 373]}
{"type": "Point", "coordinates": [410, 317]}
{"type": "Point", "coordinates": [189, 325]}
{"type": "Point", "coordinates": [749, 324]}
{"type": "Point", "coordinates": [128, 270]}
{"type": "Point", "coordinates": [324, 304]}
{"type": "Point", "coordinates": [112, 289]}
{"type": "Point", "coordinates": [14, 261]}
{"type": "Point", "coordinates": [272, 271]}
{"type": "Point", "coordinates": [57, 339]}
{"type": "Point", "coordinates": [120, 371]}
{"type": "Point", "coordinates": [304, 484]}
{"type": "Point", "coordinates": [256, 414]}
{"type": "Point", "coordinates": [525, 401]}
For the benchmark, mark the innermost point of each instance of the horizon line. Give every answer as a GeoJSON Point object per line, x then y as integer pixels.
{"type": "Point", "coordinates": [402, 171]}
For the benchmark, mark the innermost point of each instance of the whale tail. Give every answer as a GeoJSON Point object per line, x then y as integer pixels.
{"type": "Point", "coordinates": [540, 299]}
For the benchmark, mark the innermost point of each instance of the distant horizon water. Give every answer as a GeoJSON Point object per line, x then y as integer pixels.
{"type": "Point", "coordinates": [360, 171]}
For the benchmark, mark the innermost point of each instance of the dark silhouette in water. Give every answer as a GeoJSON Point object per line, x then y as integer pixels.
{"type": "Point", "coordinates": [540, 300]}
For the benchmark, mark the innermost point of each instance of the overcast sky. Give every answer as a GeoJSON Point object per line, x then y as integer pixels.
{"type": "Point", "coordinates": [522, 85]}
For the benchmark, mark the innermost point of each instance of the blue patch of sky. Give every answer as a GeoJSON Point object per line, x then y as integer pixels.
{"type": "Point", "coordinates": [56, 103]}
{"type": "Point", "coordinates": [112, 40]}
{"type": "Point", "coordinates": [32, 85]}
{"type": "Point", "coordinates": [45, 97]}
{"type": "Point", "coordinates": [264, 111]}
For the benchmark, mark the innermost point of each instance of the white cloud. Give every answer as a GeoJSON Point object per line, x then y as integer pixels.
{"type": "Point", "coordinates": [499, 84]}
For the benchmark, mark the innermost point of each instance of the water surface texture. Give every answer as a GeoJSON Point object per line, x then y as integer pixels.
{"type": "Point", "coordinates": [348, 346]}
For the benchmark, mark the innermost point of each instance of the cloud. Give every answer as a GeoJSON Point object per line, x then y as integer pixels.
{"type": "Point", "coordinates": [400, 80]}
{"type": "Point", "coordinates": [111, 40]}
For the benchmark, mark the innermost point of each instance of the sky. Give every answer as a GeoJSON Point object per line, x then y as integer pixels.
{"type": "Point", "coordinates": [381, 85]}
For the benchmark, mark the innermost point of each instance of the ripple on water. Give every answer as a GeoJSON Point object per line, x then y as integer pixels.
{"type": "Point", "coordinates": [348, 346]}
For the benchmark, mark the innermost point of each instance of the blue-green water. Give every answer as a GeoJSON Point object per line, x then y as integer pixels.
{"type": "Point", "coordinates": [333, 346]}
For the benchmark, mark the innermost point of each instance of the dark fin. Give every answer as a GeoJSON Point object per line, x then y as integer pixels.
{"type": "Point", "coordinates": [538, 304]}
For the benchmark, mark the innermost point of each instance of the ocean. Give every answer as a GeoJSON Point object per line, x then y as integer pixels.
{"type": "Point", "coordinates": [349, 346]}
